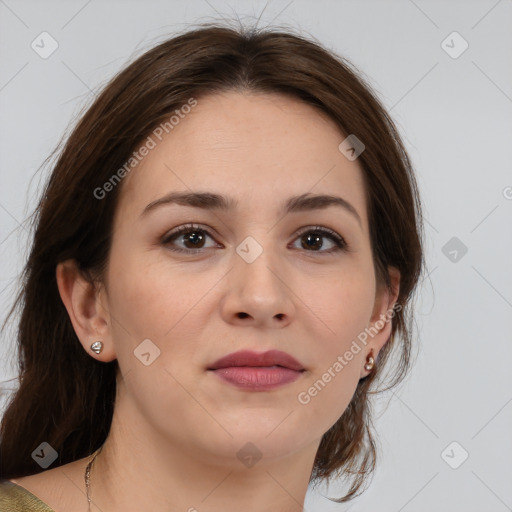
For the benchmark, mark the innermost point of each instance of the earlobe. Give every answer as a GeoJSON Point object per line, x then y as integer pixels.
{"type": "Point", "coordinates": [370, 361]}
{"type": "Point", "coordinates": [86, 309]}
{"type": "Point", "coordinates": [382, 318]}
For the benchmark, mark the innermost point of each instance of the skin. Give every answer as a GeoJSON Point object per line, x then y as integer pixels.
{"type": "Point", "coordinates": [177, 427]}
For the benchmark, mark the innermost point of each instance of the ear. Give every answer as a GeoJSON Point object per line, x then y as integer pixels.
{"type": "Point", "coordinates": [87, 307]}
{"type": "Point", "coordinates": [381, 320]}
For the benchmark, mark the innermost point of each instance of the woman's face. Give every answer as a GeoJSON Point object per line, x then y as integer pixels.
{"type": "Point", "coordinates": [257, 271]}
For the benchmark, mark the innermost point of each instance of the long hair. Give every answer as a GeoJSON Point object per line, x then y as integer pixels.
{"type": "Point", "coordinates": [65, 397]}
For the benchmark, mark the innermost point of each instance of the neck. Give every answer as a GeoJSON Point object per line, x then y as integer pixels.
{"type": "Point", "coordinates": [139, 469]}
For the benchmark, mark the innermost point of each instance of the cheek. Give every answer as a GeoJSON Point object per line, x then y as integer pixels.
{"type": "Point", "coordinates": [343, 307]}
{"type": "Point", "coordinates": [327, 396]}
{"type": "Point", "coordinates": [151, 301]}
{"type": "Point", "coordinates": [152, 298]}
{"type": "Point", "coordinates": [340, 303]}
{"type": "Point", "coordinates": [136, 299]}
{"type": "Point", "coordinates": [149, 297]}
{"type": "Point", "coordinates": [332, 383]}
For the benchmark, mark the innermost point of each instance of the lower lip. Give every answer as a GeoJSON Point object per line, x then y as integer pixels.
{"type": "Point", "coordinates": [256, 377]}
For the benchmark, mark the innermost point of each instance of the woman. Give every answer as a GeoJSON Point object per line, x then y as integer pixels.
{"type": "Point", "coordinates": [222, 265]}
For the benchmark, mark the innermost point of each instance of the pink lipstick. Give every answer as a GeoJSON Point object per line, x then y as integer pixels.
{"type": "Point", "coordinates": [258, 371]}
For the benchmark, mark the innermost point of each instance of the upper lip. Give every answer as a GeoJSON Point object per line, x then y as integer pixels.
{"type": "Point", "coordinates": [264, 359]}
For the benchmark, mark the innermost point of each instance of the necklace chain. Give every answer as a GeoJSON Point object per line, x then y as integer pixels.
{"type": "Point", "coordinates": [87, 477]}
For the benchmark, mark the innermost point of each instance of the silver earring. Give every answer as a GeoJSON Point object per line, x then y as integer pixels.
{"type": "Point", "coordinates": [369, 363]}
{"type": "Point", "coordinates": [97, 347]}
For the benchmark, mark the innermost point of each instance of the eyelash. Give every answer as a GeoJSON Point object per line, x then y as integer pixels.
{"type": "Point", "coordinates": [341, 244]}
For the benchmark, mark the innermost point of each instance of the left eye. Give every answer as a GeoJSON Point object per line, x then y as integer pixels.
{"type": "Point", "coordinates": [311, 239]}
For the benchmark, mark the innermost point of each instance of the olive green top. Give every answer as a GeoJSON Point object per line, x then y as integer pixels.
{"type": "Point", "coordinates": [14, 498]}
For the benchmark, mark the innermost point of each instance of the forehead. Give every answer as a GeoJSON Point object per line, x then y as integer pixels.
{"type": "Point", "coordinates": [258, 148]}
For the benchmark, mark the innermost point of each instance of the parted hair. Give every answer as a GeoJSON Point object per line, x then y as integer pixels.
{"type": "Point", "coordinates": [66, 397]}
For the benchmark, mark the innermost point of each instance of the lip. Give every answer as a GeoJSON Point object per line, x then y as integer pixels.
{"type": "Point", "coordinates": [258, 371]}
{"type": "Point", "coordinates": [250, 358]}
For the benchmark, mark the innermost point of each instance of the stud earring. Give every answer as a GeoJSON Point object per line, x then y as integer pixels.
{"type": "Point", "coordinates": [97, 347]}
{"type": "Point", "coordinates": [369, 363]}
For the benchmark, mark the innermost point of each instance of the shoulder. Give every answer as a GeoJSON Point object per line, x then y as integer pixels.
{"type": "Point", "coordinates": [53, 490]}
{"type": "Point", "coordinates": [15, 498]}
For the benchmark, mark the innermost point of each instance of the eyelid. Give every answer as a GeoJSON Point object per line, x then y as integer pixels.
{"type": "Point", "coordinates": [185, 228]}
{"type": "Point", "coordinates": [341, 244]}
{"type": "Point", "coordinates": [339, 241]}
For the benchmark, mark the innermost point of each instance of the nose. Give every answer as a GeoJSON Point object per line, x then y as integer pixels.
{"type": "Point", "coordinates": [257, 294]}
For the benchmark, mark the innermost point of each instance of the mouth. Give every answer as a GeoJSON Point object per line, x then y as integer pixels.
{"type": "Point", "coordinates": [258, 371]}
{"type": "Point", "coordinates": [258, 359]}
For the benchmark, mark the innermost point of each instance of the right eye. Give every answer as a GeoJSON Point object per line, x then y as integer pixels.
{"type": "Point", "coordinates": [191, 236]}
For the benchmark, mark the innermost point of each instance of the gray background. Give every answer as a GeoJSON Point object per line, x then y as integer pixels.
{"type": "Point", "coordinates": [455, 117]}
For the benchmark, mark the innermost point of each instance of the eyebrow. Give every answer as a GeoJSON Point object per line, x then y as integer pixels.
{"type": "Point", "coordinates": [212, 201]}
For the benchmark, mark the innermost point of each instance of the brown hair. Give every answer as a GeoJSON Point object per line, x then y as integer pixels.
{"type": "Point", "coordinates": [66, 397]}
